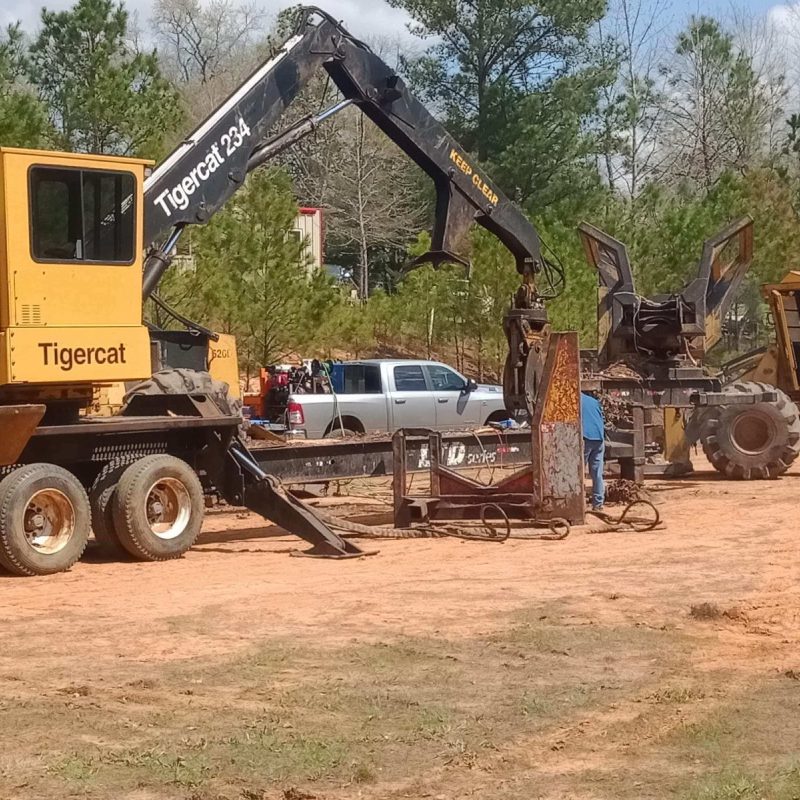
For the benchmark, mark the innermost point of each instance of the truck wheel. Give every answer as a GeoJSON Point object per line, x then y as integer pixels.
{"type": "Point", "coordinates": [754, 441]}
{"type": "Point", "coordinates": [158, 508]}
{"type": "Point", "coordinates": [44, 520]}
{"type": "Point", "coordinates": [499, 416]}
{"type": "Point", "coordinates": [101, 493]}
{"type": "Point", "coordinates": [338, 433]}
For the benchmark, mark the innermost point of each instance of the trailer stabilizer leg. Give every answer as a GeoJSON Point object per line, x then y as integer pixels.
{"type": "Point", "coordinates": [265, 495]}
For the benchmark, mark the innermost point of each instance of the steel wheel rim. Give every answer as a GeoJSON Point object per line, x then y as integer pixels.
{"type": "Point", "coordinates": [752, 432]}
{"type": "Point", "coordinates": [49, 521]}
{"type": "Point", "coordinates": [168, 508]}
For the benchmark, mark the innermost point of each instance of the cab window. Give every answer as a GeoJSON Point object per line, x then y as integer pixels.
{"type": "Point", "coordinates": [445, 380]}
{"type": "Point", "coordinates": [409, 378]}
{"type": "Point", "coordinates": [362, 379]}
{"type": "Point", "coordinates": [82, 215]}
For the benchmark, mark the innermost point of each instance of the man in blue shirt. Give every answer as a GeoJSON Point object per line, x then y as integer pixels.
{"type": "Point", "coordinates": [594, 445]}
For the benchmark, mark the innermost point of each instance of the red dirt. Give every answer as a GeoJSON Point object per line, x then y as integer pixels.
{"type": "Point", "coordinates": [725, 542]}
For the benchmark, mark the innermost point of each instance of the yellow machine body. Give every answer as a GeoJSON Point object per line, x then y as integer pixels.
{"type": "Point", "coordinates": [70, 283]}
{"type": "Point", "coordinates": [223, 362]}
{"type": "Point", "coordinates": [784, 301]}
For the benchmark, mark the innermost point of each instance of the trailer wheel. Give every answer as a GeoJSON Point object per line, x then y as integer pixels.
{"type": "Point", "coordinates": [44, 520]}
{"type": "Point", "coordinates": [101, 494]}
{"type": "Point", "coordinates": [754, 441]}
{"type": "Point", "coordinates": [158, 508]}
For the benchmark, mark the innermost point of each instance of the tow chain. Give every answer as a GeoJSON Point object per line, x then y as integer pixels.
{"type": "Point", "coordinates": [556, 529]}
{"type": "Point", "coordinates": [638, 524]}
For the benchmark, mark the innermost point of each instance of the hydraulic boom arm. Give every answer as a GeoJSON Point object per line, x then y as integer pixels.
{"type": "Point", "coordinates": [211, 164]}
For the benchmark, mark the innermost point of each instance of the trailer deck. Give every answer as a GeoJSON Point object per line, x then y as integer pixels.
{"type": "Point", "coordinates": [371, 456]}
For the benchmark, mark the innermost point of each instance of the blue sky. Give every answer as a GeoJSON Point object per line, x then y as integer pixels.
{"type": "Point", "coordinates": [362, 17]}
{"type": "Point", "coordinates": [370, 17]}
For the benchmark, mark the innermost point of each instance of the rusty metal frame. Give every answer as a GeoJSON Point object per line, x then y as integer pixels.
{"type": "Point", "coordinates": [550, 487]}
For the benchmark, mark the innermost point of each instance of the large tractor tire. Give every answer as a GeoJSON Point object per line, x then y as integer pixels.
{"type": "Point", "coordinates": [751, 442]}
{"type": "Point", "coordinates": [189, 381]}
{"type": "Point", "coordinates": [158, 508]}
{"type": "Point", "coordinates": [44, 520]}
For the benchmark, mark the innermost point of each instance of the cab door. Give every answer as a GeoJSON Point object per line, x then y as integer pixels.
{"type": "Point", "coordinates": [455, 408]}
{"type": "Point", "coordinates": [411, 401]}
{"type": "Point", "coordinates": [786, 313]}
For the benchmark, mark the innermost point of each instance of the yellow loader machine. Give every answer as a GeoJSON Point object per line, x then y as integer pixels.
{"type": "Point", "coordinates": [651, 352]}
{"type": "Point", "coordinates": [761, 428]}
{"type": "Point", "coordinates": [84, 237]}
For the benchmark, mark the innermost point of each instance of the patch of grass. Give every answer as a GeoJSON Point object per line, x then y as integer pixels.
{"type": "Point", "coordinates": [734, 785]}
{"type": "Point", "coordinates": [291, 714]}
{"type": "Point", "coordinates": [710, 734]}
{"type": "Point", "coordinates": [534, 705]}
{"type": "Point", "coordinates": [362, 773]}
{"type": "Point", "coordinates": [74, 768]}
{"type": "Point", "coordinates": [729, 787]}
{"type": "Point", "coordinates": [188, 770]}
{"type": "Point", "coordinates": [433, 723]}
{"type": "Point", "coordinates": [676, 694]}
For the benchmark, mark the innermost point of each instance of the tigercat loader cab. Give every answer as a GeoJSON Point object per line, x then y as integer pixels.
{"type": "Point", "coordinates": [70, 291]}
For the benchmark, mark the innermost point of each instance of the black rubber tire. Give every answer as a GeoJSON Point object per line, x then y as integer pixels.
{"type": "Point", "coordinates": [189, 381]}
{"type": "Point", "coordinates": [17, 555]}
{"type": "Point", "coordinates": [101, 494]}
{"type": "Point", "coordinates": [498, 416]}
{"type": "Point", "coordinates": [752, 442]}
{"type": "Point", "coordinates": [338, 433]}
{"type": "Point", "coordinates": [129, 508]}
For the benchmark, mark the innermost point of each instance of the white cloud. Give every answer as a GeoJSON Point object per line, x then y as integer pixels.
{"type": "Point", "coordinates": [785, 23]}
{"type": "Point", "coordinates": [367, 19]}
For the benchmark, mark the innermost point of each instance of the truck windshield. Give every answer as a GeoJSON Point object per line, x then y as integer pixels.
{"type": "Point", "coordinates": [82, 215]}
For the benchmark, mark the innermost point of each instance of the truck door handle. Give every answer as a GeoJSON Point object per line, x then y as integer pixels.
{"type": "Point", "coordinates": [399, 401]}
{"type": "Point", "coordinates": [442, 399]}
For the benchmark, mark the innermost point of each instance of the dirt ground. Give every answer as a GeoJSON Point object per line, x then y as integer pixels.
{"type": "Point", "coordinates": [606, 665]}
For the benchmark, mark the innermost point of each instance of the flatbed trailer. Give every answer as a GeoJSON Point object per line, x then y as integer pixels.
{"type": "Point", "coordinates": [163, 463]}
{"type": "Point", "coordinates": [371, 457]}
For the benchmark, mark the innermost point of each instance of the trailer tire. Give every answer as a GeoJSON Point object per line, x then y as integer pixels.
{"type": "Point", "coordinates": [44, 520]}
{"type": "Point", "coordinates": [101, 494]}
{"type": "Point", "coordinates": [752, 442]}
{"type": "Point", "coordinates": [158, 508]}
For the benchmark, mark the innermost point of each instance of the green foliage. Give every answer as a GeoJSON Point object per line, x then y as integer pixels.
{"type": "Point", "coordinates": [101, 95]}
{"type": "Point", "coordinates": [720, 108]}
{"type": "Point", "coordinates": [250, 277]}
{"type": "Point", "coordinates": [515, 82]}
{"type": "Point", "coordinates": [23, 121]}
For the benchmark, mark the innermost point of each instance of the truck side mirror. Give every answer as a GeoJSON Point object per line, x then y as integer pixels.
{"type": "Point", "coordinates": [470, 386]}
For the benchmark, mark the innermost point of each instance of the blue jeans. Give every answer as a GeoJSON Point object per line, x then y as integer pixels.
{"type": "Point", "coordinates": [593, 451]}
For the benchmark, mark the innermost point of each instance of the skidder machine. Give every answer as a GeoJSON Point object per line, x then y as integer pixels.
{"type": "Point", "coordinates": [84, 237]}
{"type": "Point", "coordinates": [651, 352]}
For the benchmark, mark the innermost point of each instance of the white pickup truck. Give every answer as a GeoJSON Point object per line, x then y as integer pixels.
{"type": "Point", "coordinates": [383, 396]}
